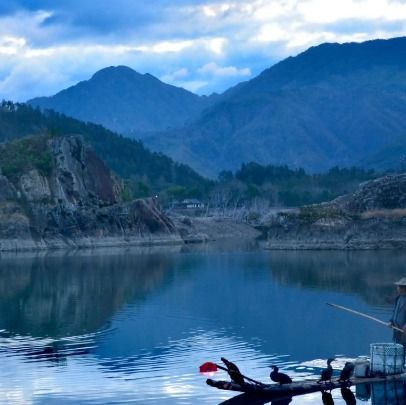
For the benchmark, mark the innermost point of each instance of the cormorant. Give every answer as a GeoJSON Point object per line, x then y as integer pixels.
{"type": "Point", "coordinates": [279, 377]}
{"type": "Point", "coordinates": [233, 372]}
{"type": "Point", "coordinates": [327, 373]}
{"type": "Point", "coordinates": [347, 372]}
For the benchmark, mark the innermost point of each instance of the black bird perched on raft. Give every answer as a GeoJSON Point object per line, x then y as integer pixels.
{"type": "Point", "coordinates": [233, 372]}
{"type": "Point", "coordinates": [347, 372]}
{"type": "Point", "coordinates": [327, 373]}
{"type": "Point", "coordinates": [279, 377]}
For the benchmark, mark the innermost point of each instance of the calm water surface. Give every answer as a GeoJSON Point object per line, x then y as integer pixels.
{"type": "Point", "coordinates": [132, 326]}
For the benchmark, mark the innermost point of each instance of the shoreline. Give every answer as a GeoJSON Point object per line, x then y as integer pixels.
{"type": "Point", "coordinates": [189, 230]}
{"type": "Point", "coordinates": [29, 245]}
{"type": "Point", "coordinates": [295, 246]}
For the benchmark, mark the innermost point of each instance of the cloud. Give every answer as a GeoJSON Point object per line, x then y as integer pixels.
{"type": "Point", "coordinates": [192, 85]}
{"type": "Point", "coordinates": [215, 70]}
{"type": "Point", "coordinates": [174, 76]}
{"type": "Point", "coordinates": [204, 45]}
{"type": "Point", "coordinates": [29, 71]}
{"type": "Point", "coordinates": [325, 12]}
{"type": "Point", "coordinates": [11, 45]}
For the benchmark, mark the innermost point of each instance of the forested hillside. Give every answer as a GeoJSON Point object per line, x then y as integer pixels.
{"type": "Point", "coordinates": [146, 172]}
{"type": "Point", "coordinates": [283, 186]}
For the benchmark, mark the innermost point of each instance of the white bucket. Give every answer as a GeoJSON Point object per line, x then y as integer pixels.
{"type": "Point", "coordinates": [362, 366]}
{"type": "Point", "coordinates": [386, 358]}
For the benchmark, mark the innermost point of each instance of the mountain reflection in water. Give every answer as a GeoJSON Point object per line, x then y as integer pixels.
{"type": "Point", "coordinates": [132, 325]}
{"type": "Point", "coordinates": [367, 274]}
{"type": "Point", "coordinates": [56, 295]}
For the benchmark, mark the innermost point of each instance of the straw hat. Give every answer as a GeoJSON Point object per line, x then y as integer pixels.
{"type": "Point", "coordinates": [401, 282]}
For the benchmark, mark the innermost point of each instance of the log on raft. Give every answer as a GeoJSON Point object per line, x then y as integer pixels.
{"type": "Point", "coordinates": [300, 387]}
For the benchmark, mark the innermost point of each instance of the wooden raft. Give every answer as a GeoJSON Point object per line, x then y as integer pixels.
{"type": "Point", "coordinates": [300, 387]}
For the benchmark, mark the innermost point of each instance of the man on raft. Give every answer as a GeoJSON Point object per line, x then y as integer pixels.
{"type": "Point", "coordinates": [398, 318]}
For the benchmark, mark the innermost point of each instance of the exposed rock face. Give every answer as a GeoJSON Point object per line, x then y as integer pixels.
{"type": "Point", "coordinates": [80, 176]}
{"type": "Point", "coordinates": [7, 191]}
{"type": "Point", "coordinates": [34, 187]}
{"type": "Point", "coordinates": [78, 204]}
{"type": "Point", "coordinates": [388, 193]}
{"type": "Point", "coordinates": [374, 217]}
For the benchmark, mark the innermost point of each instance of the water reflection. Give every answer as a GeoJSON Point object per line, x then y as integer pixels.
{"type": "Point", "coordinates": [389, 393]}
{"type": "Point", "coordinates": [133, 326]}
{"type": "Point", "coordinates": [252, 399]}
{"type": "Point", "coordinates": [363, 392]}
{"type": "Point", "coordinates": [327, 398]}
{"type": "Point", "coordinates": [368, 274]}
{"type": "Point", "coordinates": [348, 396]}
{"type": "Point", "coordinates": [57, 296]}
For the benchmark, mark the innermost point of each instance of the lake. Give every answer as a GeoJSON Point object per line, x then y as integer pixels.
{"type": "Point", "coordinates": [133, 325]}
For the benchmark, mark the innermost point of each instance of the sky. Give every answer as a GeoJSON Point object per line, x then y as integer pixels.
{"type": "Point", "coordinates": [204, 46]}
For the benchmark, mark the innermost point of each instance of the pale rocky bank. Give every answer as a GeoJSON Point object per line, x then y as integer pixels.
{"type": "Point", "coordinates": [374, 217]}
{"type": "Point", "coordinates": [205, 229]}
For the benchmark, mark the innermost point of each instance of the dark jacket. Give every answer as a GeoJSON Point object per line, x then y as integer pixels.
{"type": "Point", "coordinates": [399, 319]}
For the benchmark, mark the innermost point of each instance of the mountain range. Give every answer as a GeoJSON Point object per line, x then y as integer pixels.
{"type": "Point", "coordinates": [334, 104]}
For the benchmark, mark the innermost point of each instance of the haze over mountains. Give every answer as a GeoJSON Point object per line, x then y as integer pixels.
{"type": "Point", "coordinates": [331, 105]}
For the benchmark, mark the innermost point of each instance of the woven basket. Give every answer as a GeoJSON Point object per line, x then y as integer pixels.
{"type": "Point", "coordinates": [387, 358]}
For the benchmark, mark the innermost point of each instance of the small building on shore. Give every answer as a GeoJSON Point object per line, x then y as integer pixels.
{"type": "Point", "coordinates": [190, 203]}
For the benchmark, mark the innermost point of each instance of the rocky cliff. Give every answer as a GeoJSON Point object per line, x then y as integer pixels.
{"type": "Point", "coordinates": [374, 217]}
{"type": "Point", "coordinates": [56, 193]}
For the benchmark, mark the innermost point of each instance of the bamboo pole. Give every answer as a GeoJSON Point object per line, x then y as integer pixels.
{"type": "Point", "coordinates": [365, 316]}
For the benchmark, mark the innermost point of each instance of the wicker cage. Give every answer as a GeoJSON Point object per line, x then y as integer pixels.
{"type": "Point", "coordinates": [387, 358]}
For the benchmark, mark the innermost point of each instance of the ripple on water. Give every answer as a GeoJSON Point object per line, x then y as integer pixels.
{"type": "Point", "coordinates": [33, 374]}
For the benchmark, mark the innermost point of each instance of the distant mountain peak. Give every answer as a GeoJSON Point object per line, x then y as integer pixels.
{"type": "Point", "coordinates": [120, 71]}
{"type": "Point", "coordinates": [321, 62]}
{"type": "Point", "coordinates": [119, 68]}
{"type": "Point", "coordinates": [125, 101]}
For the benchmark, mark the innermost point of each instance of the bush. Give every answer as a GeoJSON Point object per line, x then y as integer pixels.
{"type": "Point", "coordinates": [19, 157]}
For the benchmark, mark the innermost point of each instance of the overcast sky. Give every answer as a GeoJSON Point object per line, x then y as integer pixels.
{"type": "Point", "coordinates": [204, 46]}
